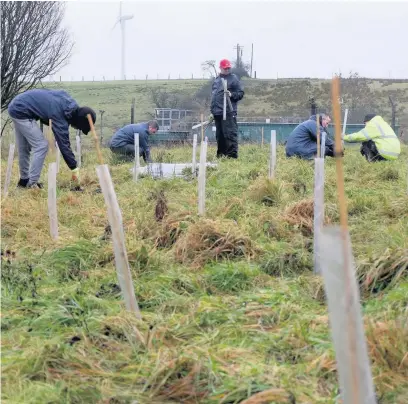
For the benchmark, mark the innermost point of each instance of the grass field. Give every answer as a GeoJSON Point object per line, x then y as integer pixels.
{"type": "Point", "coordinates": [230, 305]}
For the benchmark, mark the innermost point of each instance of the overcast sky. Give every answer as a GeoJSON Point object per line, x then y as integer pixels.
{"type": "Point", "coordinates": [291, 39]}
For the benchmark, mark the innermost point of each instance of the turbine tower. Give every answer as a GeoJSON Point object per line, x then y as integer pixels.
{"type": "Point", "coordinates": [121, 20]}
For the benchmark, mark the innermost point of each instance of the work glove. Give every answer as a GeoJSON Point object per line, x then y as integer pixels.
{"type": "Point", "coordinates": [75, 175]}
{"type": "Point", "coordinates": [147, 159]}
{"type": "Point", "coordinates": [229, 93]}
{"type": "Point", "coordinates": [211, 118]}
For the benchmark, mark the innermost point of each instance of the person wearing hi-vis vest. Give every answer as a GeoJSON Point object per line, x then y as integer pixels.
{"type": "Point", "coordinates": [379, 141]}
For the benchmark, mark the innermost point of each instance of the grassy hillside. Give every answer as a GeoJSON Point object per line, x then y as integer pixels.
{"type": "Point", "coordinates": [229, 303]}
{"type": "Point", "coordinates": [263, 98]}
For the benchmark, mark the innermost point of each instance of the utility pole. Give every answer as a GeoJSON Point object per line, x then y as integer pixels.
{"type": "Point", "coordinates": [252, 57]}
{"type": "Point", "coordinates": [313, 106]}
{"type": "Point", "coordinates": [101, 111]}
{"type": "Point", "coordinates": [132, 111]}
{"type": "Point", "coordinates": [393, 109]}
{"type": "Point", "coordinates": [239, 55]}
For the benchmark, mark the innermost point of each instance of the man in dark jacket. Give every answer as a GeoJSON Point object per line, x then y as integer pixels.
{"type": "Point", "coordinates": [302, 142]}
{"type": "Point", "coordinates": [226, 131]}
{"type": "Point", "coordinates": [123, 141]}
{"type": "Point", "coordinates": [43, 105]}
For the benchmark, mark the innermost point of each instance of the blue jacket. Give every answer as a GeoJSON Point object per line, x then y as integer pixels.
{"type": "Point", "coordinates": [217, 95]}
{"type": "Point", "coordinates": [43, 105]}
{"type": "Point", "coordinates": [126, 135]}
{"type": "Point", "coordinates": [302, 142]}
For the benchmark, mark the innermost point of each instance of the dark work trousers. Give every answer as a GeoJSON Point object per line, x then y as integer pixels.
{"type": "Point", "coordinates": [227, 136]}
{"type": "Point", "coordinates": [369, 151]}
{"type": "Point", "coordinates": [127, 152]}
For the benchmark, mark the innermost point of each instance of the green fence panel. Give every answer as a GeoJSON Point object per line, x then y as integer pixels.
{"type": "Point", "coordinates": [248, 132]}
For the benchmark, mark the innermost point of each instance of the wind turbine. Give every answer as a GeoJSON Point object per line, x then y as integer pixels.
{"type": "Point", "coordinates": [121, 20]}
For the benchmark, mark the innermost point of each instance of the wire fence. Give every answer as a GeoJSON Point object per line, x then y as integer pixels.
{"type": "Point", "coordinates": [146, 77]}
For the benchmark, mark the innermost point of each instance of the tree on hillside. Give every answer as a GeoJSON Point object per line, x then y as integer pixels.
{"type": "Point", "coordinates": [209, 67]}
{"type": "Point", "coordinates": [239, 67]}
{"type": "Point", "coordinates": [33, 45]}
{"type": "Point", "coordinates": [357, 96]}
{"type": "Point", "coordinates": [203, 96]}
{"type": "Point", "coordinates": [162, 98]}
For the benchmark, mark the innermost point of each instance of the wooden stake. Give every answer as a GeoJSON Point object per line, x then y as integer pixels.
{"type": "Point", "coordinates": [51, 140]}
{"type": "Point", "coordinates": [201, 179]}
{"type": "Point", "coordinates": [262, 136]}
{"type": "Point", "coordinates": [344, 123]}
{"type": "Point", "coordinates": [318, 134]}
{"type": "Point", "coordinates": [137, 159]}
{"type": "Point", "coordinates": [58, 156]}
{"type": "Point", "coordinates": [194, 163]}
{"type": "Point", "coordinates": [202, 127]}
{"type": "Point", "coordinates": [78, 147]}
{"type": "Point", "coordinates": [52, 200]}
{"type": "Point", "coordinates": [318, 217]}
{"type": "Point", "coordinates": [98, 149]}
{"type": "Point", "coordinates": [116, 223]}
{"type": "Point", "coordinates": [272, 155]}
{"type": "Point", "coordinates": [9, 169]}
{"type": "Point", "coordinates": [344, 126]}
{"type": "Point", "coordinates": [342, 294]}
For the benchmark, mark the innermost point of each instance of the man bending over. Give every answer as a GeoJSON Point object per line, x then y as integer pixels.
{"type": "Point", "coordinates": [42, 104]}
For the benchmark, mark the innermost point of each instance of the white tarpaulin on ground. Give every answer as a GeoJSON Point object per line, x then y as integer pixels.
{"type": "Point", "coordinates": [167, 170]}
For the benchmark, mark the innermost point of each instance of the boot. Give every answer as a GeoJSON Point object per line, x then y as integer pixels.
{"type": "Point", "coordinates": [23, 183]}
{"type": "Point", "coordinates": [37, 185]}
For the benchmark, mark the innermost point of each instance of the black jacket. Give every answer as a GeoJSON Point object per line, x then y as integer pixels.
{"type": "Point", "coordinates": [217, 99]}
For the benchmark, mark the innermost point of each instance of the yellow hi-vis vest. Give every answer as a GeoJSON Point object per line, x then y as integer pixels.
{"type": "Point", "coordinates": [385, 139]}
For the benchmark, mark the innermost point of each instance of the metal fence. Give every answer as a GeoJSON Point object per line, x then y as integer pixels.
{"type": "Point", "coordinates": [248, 132]}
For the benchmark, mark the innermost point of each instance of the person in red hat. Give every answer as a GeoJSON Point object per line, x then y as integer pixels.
{"type": "Point", "coordinates": [226, 131]}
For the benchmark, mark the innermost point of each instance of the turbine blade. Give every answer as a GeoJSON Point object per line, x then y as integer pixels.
{"type": "Point", "coordinates": [114, 25]}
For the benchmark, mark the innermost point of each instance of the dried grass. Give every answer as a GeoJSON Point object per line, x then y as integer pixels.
{"type": "Point", "coordinates": [396, 208]}
{"type": "Point", "coordinates": [374, 276]}
{"type": "Point", "coordinates": [388, 348]}
{"type": "Point", "coordinates": [209, 240]}
{"type": "Point", "coordinates": [179, 378]}
{"type": "Point", "coordinates": [382, 271]}
{"type": "Point", "coordinates": [271, 395]}
{"type": "Point", "coordinates": [161, 208]}
{"type": "Point", "coordinates": [171, 228]}
{"type": "Point", "coordinates": [301, 215]}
